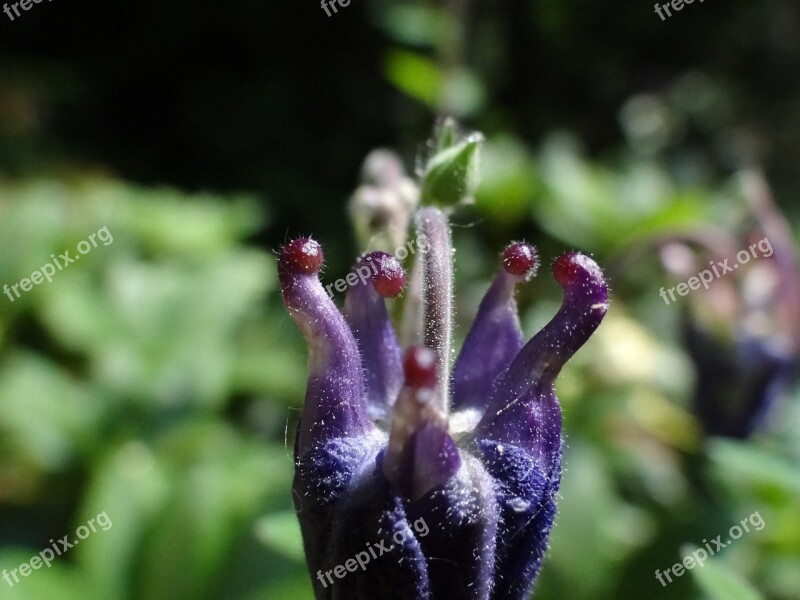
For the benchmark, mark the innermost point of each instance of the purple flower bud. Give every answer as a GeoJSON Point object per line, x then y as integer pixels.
{"type": "Point", "coordinates": [743, 334]}
{"type": "Point", "coordinates": [412, 482]}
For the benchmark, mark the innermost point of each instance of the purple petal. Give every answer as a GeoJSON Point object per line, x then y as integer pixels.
{"type": "Point", "coordinates": [782, 248]}
{"type": "Point", "coordinates": [495, 338]}
{"type": "Point", "coordinates": [462, 517]}
{"type": "Point", "coordinates": [334, 405]}
{"type": "Point", "coordinates": [524, 410]}
{"type": "Point", "coordinates": [364, 529]}
{"type": "Point", "coordinates": [526, 500]}
{"type": "Point", "coordinates": [366, 312]}
{"type": "Point", "coordinates": [324, 476]}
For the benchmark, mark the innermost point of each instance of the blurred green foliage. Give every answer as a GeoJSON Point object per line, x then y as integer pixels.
{"type": "Point", "coordinates": [149, 381]}
{"type": "Point", "coordinates": [158, 379]}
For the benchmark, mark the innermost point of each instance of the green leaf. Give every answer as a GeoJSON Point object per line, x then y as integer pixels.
{"type": "Point", "coordinates": [418, 77]}
{"type": "Point", "coordinates": [446, 134]}
{"type": "Point", "coordinates": [45, 415]}
{"type": "Point", "coordinates": [413, 25]}
{"type": "Point", "coordinates": [281, 533]}
{"type": "Point", "coordinates": [508, 180]}
{"type": "Point", "coordinates": [747, 463]}
{"type": "Point", "coordinates": [452, 175]}
{"type": "Point", "coordinates": [220, 483]}
{"type": "Point", "coordinates": [719, 582]}
{"type": "Point", "coordinates": [60, 580]}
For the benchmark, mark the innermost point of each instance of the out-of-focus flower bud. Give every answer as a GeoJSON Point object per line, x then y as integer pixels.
{"type": "Point", "coordinates": [381, 207]}
{"type": "Point", "coordinates": [451, 173]}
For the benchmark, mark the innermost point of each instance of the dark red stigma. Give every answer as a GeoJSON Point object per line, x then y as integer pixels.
{"type": "Point", "coordinates": [388, 277]}
{"type": "Point", "coordinates": [520, 259]}
{"type": "Point", "coordinates": [420, 367]}
{"type": "Point", "coordinates": [566, 268]}
{"type": "Point", "coordinates": [302, 255]}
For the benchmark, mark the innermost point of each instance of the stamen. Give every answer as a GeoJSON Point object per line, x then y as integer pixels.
{"type": "Point", "coordinates": [437, 295]}
{"type": "Point", "coordinates": [421, 454]}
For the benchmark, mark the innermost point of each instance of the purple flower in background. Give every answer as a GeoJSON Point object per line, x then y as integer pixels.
{"type": "Point", "coordinates": [743, 333]}
{"type": "Point", "coordinates": [387, 441]}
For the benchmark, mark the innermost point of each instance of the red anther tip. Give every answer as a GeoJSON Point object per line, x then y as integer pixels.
{"type": "Point", "coordinates": [566, 267]}
{"type": "Point", "coordinates": [420, 367]}
{"type": "Point", "coordinates": [302, 255]}
{"type": "Point", "coordinates": [389, 278]}
{"type": "Point", "coordinates": [520, 259]}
